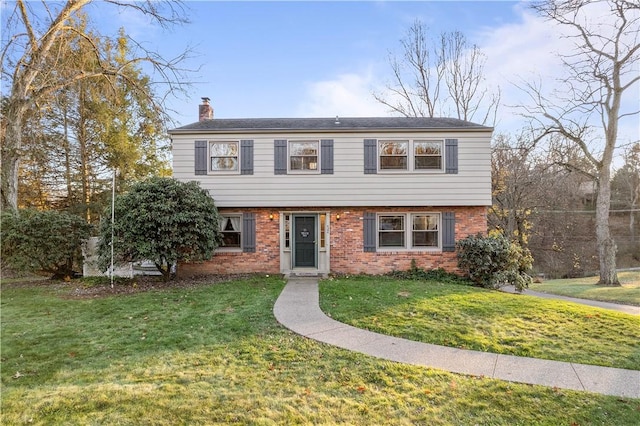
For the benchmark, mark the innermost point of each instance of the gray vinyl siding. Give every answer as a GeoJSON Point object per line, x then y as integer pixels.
{"type": "Point", "coordinates": [348, 185]}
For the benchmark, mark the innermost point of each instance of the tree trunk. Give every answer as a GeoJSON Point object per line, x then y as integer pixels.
{"type": "Point", "coordinates": [606, 245]}
{"type": "Point", "coordinates": [10, 162]}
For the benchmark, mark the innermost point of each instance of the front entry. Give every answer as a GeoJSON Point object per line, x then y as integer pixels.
{"type": "Point", "coordinates": [304, 242]}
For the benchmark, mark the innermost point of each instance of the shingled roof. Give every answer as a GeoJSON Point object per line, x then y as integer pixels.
{"type": "Point", "coordinates": [327, 124]}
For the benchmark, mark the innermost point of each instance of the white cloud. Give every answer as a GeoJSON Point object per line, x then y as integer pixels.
{"type": "Point", "coordinates": [528, 50]}
{"type": "Point", "coordinates": [347, 95]}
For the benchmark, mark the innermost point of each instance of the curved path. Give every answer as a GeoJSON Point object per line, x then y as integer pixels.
{"type": "Point", "coordinates": [298, 309]}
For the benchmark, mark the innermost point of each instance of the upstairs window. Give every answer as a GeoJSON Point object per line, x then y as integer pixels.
{"type": "Point", "coordinates": [224, 156]}
{"type": "Point", "coordinates": [408, 156]}
{"type": "Point", "coordinates": [303, 156]}
{"type": "Point", "coordinates": [231, 229]}
{"type": "Point", "coordinates": [393, 155]}
{"type": "Point", "coordinates": [427, 155]}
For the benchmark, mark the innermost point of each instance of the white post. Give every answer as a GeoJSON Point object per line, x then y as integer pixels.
{"type": "Point", "coordinates": [113, 216]}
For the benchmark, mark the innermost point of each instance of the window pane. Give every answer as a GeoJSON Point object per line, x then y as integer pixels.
{"type": "Point", "coordinates": [303, 155]}
{"type": "Point", "coordinates": [394, 147]}
{"type": "Point", "coordinates": [304, 163]}
{"type": "Point", "coordinates": [425, 222]}
{"type": "Point", "coordinates": [310, 163]}
{"type": "Point", "coordinates": [391, 223]}
{"type": "Point", "coordinates": [393, 155]}
{"type": "Point", "coordinates": [393, 163]}
{"type": "Point", "coordinates": [391, 239]}
{"type": "Point", "coordinates": [423, 163]}
{"type": "Point", "coordinates": [425, 239]}
{"type": "Point", "coordinates": [427, 148]}
{"type": "Point", "coordinates": [230, 229]}
{"type": "Point", "coordinates": [323, 220]}
{"type": "Point", "coordinates": [224, 149]}
{"type": "Point", "coordinates": [295, 163]}
{"type": "Point", "coordinates": [303, 148]}
{"type": "Point", "coordinates": [224, 163]}
{"type": "Point", "coordinates": [230, 239]}
{"type": "Point", "coordinates": [428, 155]}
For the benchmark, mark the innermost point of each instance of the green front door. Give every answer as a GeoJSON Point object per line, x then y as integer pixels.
{"type": "Point", "coordinates": [304, 248]}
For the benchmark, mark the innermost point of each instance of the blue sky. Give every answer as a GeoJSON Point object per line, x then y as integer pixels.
{"type": "Point", "coordinates": [322, 59]}
{"type": "Point", "coordinates": [308, 58]}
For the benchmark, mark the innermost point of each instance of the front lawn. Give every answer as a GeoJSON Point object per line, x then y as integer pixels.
{"type": "Point", "coordinates": [585, 288]}
{"type": "Point", "coordinates": [214, 354]}
{"type": "Point", "coordinates": [486, 320]}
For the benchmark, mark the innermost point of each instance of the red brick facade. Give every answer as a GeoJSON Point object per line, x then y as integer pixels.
{"type": "Point", "coordinates": [347, 255]}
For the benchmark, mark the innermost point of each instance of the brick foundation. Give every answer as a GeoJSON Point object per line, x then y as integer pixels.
{"type": "Point", "coordinates": [346, 244]}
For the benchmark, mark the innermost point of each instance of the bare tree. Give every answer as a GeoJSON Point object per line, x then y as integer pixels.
{"type": "Point", "coordinates": [587, 107]}
{"type": "Point", "coordinates": [28, 53]}
{"type": "Point", "coordinates": [515, 177]}
{"type": "Point", "coordinates": [439, 77]}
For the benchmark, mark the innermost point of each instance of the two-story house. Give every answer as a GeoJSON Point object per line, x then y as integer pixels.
{"type": "Point", "coordinates": [342, 195]}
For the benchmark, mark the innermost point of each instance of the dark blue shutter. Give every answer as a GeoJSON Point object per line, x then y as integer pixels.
{"type": "Point", "coordinates": [246, 157]}
{"type": "Point", "coordinates": [451, 155]}
{"type": "Point", "coordinates": [280, 157]}
{"type": "Point", "coordinates": [326, 156]}
{"type": "Point", "coordinates": [200, 159]}
{"type": "Point", "coordinates": [369, 232]}
{"type": "Point", "coordinates": [370, 157]}
{"type": "Point", "coordinates": [448, 231]}
{"type": "Point", "coordinates": [249, 232]}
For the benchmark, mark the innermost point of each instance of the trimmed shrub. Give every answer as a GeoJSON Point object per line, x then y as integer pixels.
{"type": "Point", "coordinates": [494, 261]}
{"type": "Point", "coordinates": [161, 220]}
{"type": "Point", "coordinates": [43, 241]}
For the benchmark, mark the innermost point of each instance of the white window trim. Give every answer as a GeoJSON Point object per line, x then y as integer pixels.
{"type": "Point", "coordinates": [222, 248]}
{"type": "Point", "coordinates": [408, 233]}
{"type": "Point", "coordinates": [223, 172]}
{"type": "Point", "coordinates": [303, 172]}
{"type": "Point", "coordinates": [411, 164]}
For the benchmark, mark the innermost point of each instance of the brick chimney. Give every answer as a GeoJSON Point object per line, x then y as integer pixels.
{"type": "Point", "coordinates": [205, 110]}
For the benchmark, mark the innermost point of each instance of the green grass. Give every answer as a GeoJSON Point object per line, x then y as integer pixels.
{"type": "Point", "coordinates": [585, 288]}
{"type": "Point", "coordinates": [485, 320]}
{"type": "Point", "coordinates": [214, 354]}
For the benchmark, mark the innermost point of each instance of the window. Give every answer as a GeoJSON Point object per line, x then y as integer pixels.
{"type": "Point", "coordinates": [425, 230]}
{"type": "Point", "coordinates": [391, 231]}
{"type": "Point", "coordinates": [398, 155]}
{"type": "Point", "coordinates": [427, 155]}
{"type": "Point", "coordinates": [287, 231]}
{"type": "Point", "coordinates": [423, 233]}
{"type": "Point", "coordinates": [323, 224]}
{"type": "Point", "coordinates": [393, 155]}
{"type": "Point", "coordinates": [224, 156]}
{"type": "Point", "coordinates": [231, 229]}
{"type": "Point", "coordinates": [303, 156]}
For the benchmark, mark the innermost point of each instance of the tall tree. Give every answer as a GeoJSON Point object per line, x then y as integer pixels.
{"type": "Point", "coordinates": [28, 55]}
{"type": "Point", "coordinates": [440, 76]}
{"type": "Point", "coordinates": [588, 105]}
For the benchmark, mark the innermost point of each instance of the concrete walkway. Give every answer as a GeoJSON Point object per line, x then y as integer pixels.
{"type": "Point", "coordinates": [297, 308]}
{"type": "Point", "coordinates": [627, 309]}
